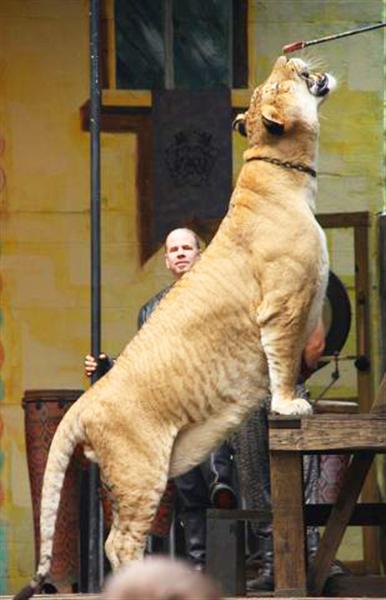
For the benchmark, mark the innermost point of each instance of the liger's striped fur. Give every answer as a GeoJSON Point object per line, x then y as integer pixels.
{"type": "Point", "coordinates": [231, 329]}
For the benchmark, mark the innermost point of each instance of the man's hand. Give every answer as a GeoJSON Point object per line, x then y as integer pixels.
{"type": "Point", "coordinates": [91, 364]}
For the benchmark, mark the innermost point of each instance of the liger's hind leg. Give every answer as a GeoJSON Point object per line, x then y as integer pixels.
{"type": "Point", "coordinates": [137, 488]}
{"type": "Point", "coordinates": [136, 509]}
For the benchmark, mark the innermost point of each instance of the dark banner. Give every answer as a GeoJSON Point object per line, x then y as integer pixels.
{"type": "Point", "coordinates": [192, 158]}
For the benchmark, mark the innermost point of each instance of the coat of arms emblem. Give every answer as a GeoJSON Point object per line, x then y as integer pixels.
{"type": "Point", "coordinates": [190, 158]}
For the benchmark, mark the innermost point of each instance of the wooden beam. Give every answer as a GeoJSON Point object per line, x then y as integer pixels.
{"type": "Point", "coordinates": [329, 433]}
{"type": "Point", "coordinates": [314, 514]}
{"type": "Point", "coordinates": [339, 220]}
{"type": "Point", "coordinates": [343, 510]}
{"type": "Point", "coordinates": [371, 553]}
{"type": "Point", "coordinates": [339, 519]}
{"type": "Point", "coordinates": [363, 514]}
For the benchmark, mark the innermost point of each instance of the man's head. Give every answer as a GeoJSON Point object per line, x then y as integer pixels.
{"type": "Point", "coordinates": [159, 578]}
{"type": "Point", "coordinates": [182, 249]}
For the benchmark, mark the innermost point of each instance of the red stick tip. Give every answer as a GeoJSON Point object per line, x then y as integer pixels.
{"type": "Point", "coordinates": [293, 47]}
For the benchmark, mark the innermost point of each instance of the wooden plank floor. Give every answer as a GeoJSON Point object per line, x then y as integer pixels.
{"type": "Point", "coordinates": [344, 587]}
{"type": "Point", "coordinates": [98, 597]}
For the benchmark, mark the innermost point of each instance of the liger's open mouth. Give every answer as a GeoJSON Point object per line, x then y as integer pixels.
{"type": "Point", "coordinates": [323, 86]}
{"type": "Point", "coordinates": [318, 85]}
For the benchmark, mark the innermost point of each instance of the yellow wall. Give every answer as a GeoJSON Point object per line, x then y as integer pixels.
{"type": "Point", "coordinates": [45, 236]}
{"type": "Point", "coordinates": [45, 202]}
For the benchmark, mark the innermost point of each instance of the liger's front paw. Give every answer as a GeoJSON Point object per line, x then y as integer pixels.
{"type": "Point", "coordinates": [297, 406]}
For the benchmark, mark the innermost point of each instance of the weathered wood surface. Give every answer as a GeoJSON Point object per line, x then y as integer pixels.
{"type": "Point", "coordinates": [100, 597]}
{"type": "Point", "coordinates": [328, 433]}
{"type": "Point", "coordinates": [364, 587]}
{"type": "Point", "coordinates": [225, 554]}
{"type": "Point", "coordinates": [359, 586]}
{"type": "Point", "coordinates": [240, 514]}
{"type": "Point", "coordinates": [370, 493]}
{"type": "Point", "coordinates": [339, 519]}
{"type": "Point", "coordinates": [379, 406]}
{"type": "Point", "coordinates": [60, 596]}
{"type": "Point", "coordinates": [353, 483]}
{"type": "Point", "coordinates": [288, 523]}
{"type": "Point", "coordinates": [335, 220]}
{"type": "Point", "coordinates": [365, 513]}
{"type": "Point", "coordinates": [336, 406]}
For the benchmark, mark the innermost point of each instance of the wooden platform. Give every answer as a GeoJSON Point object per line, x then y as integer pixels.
{"type": "Point", "coordinates": [346, 587]}
{"type": "Point", "coordinates": [362, 436]}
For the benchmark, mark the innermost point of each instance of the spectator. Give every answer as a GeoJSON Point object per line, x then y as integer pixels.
{"type": "Point", "coordinates": [160, 578]}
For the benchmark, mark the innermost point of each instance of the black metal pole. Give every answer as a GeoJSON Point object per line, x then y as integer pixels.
{"type": "Point", "coordinates": [95, 522]}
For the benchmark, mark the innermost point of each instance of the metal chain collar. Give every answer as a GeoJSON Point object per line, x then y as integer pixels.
{"type": "Point", "coordinates": [286, 164]}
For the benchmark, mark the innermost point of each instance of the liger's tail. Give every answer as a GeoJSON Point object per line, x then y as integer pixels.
{"type": "Point", "coordinates": [67, 436]}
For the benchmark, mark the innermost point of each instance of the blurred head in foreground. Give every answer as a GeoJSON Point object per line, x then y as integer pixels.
{"type": "Point", "coordinates": [160, 578]}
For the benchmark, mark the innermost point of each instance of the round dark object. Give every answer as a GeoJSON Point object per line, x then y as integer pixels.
{"type": "Point", "coordinates": [336, 315]}
{"type": "Point", "coordinates": [362, 363]}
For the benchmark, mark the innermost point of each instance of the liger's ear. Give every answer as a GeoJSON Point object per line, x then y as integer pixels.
{"type": "Point", "coordinates": [239, 124]}
{"type": "Point", "coordinates": [272, 120]}
{"type": "Point", "coordinates": [280, 62]}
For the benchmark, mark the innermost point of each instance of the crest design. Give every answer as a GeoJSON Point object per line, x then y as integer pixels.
{"type": "Point", "coordinates": [190, 158]}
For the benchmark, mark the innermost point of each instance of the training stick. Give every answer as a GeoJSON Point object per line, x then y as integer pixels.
{"type": "Point", "coordinates": [302, 44]}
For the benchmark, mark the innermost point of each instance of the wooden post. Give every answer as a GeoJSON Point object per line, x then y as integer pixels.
{"type": "Point", "coordinates": [365, 389]}
{"type": "Point", "coordinates": [288, 523]}
{"type": "Point", "coordinates": [225, 550]}
{"type": "Point", "coordinates": [339, 519]}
